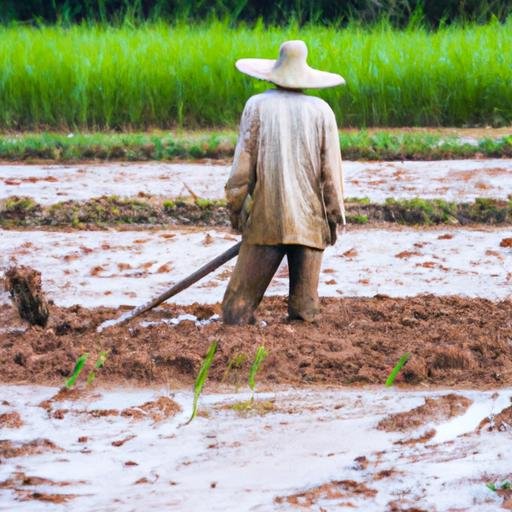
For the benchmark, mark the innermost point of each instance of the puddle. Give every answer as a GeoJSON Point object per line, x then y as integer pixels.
{"type": "Point", "coordinates": [453, 180]}
{"type": "Point", "coordinates": [176, 321]}
{"type": "Point", "coordinates": [319, 447]}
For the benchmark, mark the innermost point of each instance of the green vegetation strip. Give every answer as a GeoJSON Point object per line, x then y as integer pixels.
{"type": "Point", "coordinates": [382, 145]}
{"type": "Point", "coordinates": [107, 211]}
{"type": "Point", "coordinates": [161, 75]}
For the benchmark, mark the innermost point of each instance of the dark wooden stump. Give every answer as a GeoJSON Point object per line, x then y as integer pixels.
{"type": "Point", "coordinates": [24, 286]}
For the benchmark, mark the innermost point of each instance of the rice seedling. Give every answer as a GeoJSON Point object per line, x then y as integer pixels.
{"type": "Point", "coordinates": [260, 356]}
{"type": "Point", "coordinates": [139, 76]}
{"type": "Point", "coordinates": [201, 379]}
{"type": "Point", "coordinates": [394, 372]}
{"type": "Point", "coordinates": [100, 362]}
{"type": "Point", "coordinates": [79, 365]}
{"type": "Point", "coordinates": [504, 486]}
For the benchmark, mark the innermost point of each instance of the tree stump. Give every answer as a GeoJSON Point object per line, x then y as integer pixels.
{"type": "Point", "coordinates": [24, 286]}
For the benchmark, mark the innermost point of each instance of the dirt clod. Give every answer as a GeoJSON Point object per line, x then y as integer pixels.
{"type": "Point", "coordinates": [501, 422]}
{"type": "Point", "coordinates": [157, 410]}
{"type": "Point", "coordinates": [9, 449]}
{"type": "Point", "coordinates": [434, 409]}
{"type": "Point", "coordinates": [24, 286]}
{"type": "Point", "coordinates": [335, 490]}
{"type": "Point", "coordinates": [10, 420]}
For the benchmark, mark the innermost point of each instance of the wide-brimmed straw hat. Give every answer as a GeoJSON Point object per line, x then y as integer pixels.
{"type": "Point", "coordinates": [291, 69]}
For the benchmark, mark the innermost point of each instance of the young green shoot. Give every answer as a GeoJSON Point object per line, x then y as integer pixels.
{"type": "Point", "coordinates": [201, 379]}
{"type": "Point", "coordinates": [504, 486]}
{"type": "Point", "coordinates": [261, 354]}
{"type": "Point", "coordinates": [100, 362]}
{"type": "Point", "coordinates": [79, 365]}
{"type": "Point", "coordinates": [395, 371]}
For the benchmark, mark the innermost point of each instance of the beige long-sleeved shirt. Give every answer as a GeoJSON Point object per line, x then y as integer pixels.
{"type": "Point", "coordinates": [286, 172]}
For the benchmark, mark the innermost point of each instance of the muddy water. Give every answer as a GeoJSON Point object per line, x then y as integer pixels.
{"type": "Point", "coordinates": [457, 180]}
{"type": "Point", "coordinates": [129, 267]}
{"type": "Point", "coordinates": [310, 448]}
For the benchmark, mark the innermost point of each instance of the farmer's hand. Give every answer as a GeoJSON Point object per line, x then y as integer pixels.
{"type": "Point", "coordinates": [332, 228]}
{"type": "Point", "coordinates": [235, 220]}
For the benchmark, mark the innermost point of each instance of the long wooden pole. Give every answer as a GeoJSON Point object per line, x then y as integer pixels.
{"type": "Point", "coordinates": [178, 287]}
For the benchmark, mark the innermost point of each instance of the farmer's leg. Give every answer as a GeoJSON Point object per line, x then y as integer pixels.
{"type": "Point", "coordinates": [254, 269]}
{"type": "Point", "coordinates": [304, 268]}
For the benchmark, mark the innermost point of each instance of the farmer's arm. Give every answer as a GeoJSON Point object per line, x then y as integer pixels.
{"type": "Point", "coordinates": [332, 175]}
{"type": "Point", "coordinates": [243, 170]}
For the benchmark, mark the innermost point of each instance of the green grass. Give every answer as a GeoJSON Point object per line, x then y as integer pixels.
{"type": "Point", "coordinates": [158, 75]}
{"type": "Point", "coordinates": [221, 144]}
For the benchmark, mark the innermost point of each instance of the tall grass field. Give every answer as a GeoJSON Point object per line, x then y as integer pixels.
{"type": "Point", "coordinates": [160, 75]}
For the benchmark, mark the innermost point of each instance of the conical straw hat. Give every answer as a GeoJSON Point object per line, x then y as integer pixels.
{"type": "Point", "coordinates": [290, 70]}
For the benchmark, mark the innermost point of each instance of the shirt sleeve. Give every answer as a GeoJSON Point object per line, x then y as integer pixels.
{"type": "Point", "coordinates": [243, 171]}
{"type": "Point", "coordinates": [332, 172]}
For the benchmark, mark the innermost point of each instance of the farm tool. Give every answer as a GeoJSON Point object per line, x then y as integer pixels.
{"type": "Point", "coordinates": [175, 289]}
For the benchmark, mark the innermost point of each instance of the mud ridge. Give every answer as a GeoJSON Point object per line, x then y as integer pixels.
{"type": "Point", "coordinates": [107, 211]}
{"type": "Point", "coordinates": [453, 341]}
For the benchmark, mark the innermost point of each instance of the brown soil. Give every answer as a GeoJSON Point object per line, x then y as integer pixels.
{"type": "Point", "coordinates": [502, 422]}
{"type": "Point", "coordinates": [434, 409]}
{"type": "Point", "coordinates": [156, 410]}
{"type": "Point", "coordinates": [9, 449]}
{"type": "Point", "coordinates": [28, 495]}
{"type": "Point", "coordinates": [10, 420]}
{"type": "Point", "coordinates": [423, 438]}
{"type": "Point", "coordinates": [335, 490]}
{"type": "Point", "coordinates": [453, 341]}
{"type": "Point", "coordinates": [20, 478]}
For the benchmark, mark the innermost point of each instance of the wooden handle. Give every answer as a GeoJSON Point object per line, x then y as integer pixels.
{"type": "Point", "coordinates": [177, 288]}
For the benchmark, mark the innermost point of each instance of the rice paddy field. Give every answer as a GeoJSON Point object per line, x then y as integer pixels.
{"type": "Point", "coordinates": [115, 144]}
{"type": "Point", "coordinates": [161, 75]}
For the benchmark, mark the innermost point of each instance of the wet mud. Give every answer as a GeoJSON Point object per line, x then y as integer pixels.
{"type": "Point", "coordinates": [434, 409]}
{"type": "Point", "coordinates": [11, 449]}
{"type": "Point", "coordinates": [454, 341]}
{"type": "Point", "coordinates": [335, 490]}
{"type": "Point", "coordinates": [25, 288]}
{"type": "Point", "coordinates": [501, 422]}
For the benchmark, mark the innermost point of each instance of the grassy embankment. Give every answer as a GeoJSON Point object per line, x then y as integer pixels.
{"type": "Point", "coordinates": [379, 145]}
{"type": "Point", "coordinates": [157, 75]}
{"type": "Point", "coordinates": [108, 211]}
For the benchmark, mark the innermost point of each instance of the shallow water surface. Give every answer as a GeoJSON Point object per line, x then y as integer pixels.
{"type": "Point", "coordinates": [453, 180]}
{"type": "Point", "coordinates": [110, 268]}
{"type": "Point", "coordinates": [308, 447]}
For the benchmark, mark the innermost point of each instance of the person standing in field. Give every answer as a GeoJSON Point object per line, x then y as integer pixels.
{"type": "Point", "coordinates": [285, 190]}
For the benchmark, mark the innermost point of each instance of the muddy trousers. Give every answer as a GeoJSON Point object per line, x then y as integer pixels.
{"type": "Point", "coordinates": [255, 267]}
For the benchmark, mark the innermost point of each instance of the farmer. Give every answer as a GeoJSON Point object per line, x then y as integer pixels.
{"type": "Point", "coordinates": [285, 190]}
